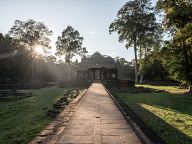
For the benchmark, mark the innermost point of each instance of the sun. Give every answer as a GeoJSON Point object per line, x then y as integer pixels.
{"type": "Point", "coordinates": [39, 50]}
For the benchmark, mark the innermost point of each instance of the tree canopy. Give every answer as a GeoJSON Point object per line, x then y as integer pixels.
{"type": "Point", "coordinates": [69, 44]}
{"type": "Point", "coordinates": [135, 20]}
{"type": "Point", "coordinates": [31, 33]}
{"type": "Point", "coordinates": [178, 50]}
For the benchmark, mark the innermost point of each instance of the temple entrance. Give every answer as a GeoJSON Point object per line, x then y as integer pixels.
{"type": "Point", "coordinates": [98, 74]}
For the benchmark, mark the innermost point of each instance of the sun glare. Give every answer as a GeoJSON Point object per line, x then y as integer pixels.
{"type": "Point", "coordinates": [39, 50]}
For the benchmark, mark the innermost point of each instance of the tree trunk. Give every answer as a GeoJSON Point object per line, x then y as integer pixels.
{"type": "Point", "coordinates": [68, 61]}
{"type": "Point", "coordinates": [32, 66]}
{"type": "Point", "coordinates": [189, 89]}
{"type": "Point", "coordinates": [69, 71]}
{"type": "Point", "coordinates": [136, 69]}
{"type": "Point", "coordinates": [32, 71]}
{"type": "Point", "coordinates": [141, 78]}
{"type": "Point", "coordinates": [140, 67]}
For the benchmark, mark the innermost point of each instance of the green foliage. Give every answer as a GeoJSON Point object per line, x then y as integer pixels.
{"type": "Point", "coordinates": [69, 44]}
{"type": "Point", "coordinates": [125, 68]}
{"type": "Point", "coordinates": [178, 51]}
{"type": "Point", "coordinates": [132, 20]}
{"type": "Point", "coordinates": [177, 13]}
{"type": "Point", "coordinates": [136, 25]}
{"type": "Point", "coordinates": [12, 58]}
{"type": "Point", "coordinates": [31, 33]}
{"type": "Point", "coordinates": [154, 69]}
{"type": "Point", "coordinates": [15, 61]}
{"type": "Point", "coordinates": [178, 62]}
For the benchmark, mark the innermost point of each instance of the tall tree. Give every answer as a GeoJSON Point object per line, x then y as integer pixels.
{"type": "Point", "coordinates": [8, 50]}
{"type": "Point", "coordinates": [178, 50]}
{"type": "Point", "coordinates": [69, 44]}
{"type": "Point", "coordinates": [31, 34]}
{"type": "Point", "coordinates": [149, 42]}
{"type": "Point", "coordinates": [132, 20]}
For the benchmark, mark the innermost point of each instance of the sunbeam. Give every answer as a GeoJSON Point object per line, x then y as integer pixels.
{"type": "Point", "coordinates": [39, 50]}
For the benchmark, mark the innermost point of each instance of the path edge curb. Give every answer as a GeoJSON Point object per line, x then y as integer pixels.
{"type": "Point", "coordinates": [141, 135]}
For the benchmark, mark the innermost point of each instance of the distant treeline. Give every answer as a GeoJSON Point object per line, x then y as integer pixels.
{"type": "Point", "coordinates": [16, 65]}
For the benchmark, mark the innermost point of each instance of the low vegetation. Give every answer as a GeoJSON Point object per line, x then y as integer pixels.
{"type": "Point", "coordinates": [60, 104]}
{"type": "Point", "coordinates": [170, 89]}
{"type": "Point", "coordinates": [22, 119]}
{"type": "Point", "coordinates": [168, 114]}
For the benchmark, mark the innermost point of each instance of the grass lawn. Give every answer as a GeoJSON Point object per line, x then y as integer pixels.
{"type": "Point", "coordinates": [171, 89]}
{"type": "Point", "coordinates": [168, 114]}
{"type": "Point", "coordinates": [21, 120]}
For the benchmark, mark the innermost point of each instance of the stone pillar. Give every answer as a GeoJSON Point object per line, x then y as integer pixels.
{"type": "Point", "coordinates": [93, 72]}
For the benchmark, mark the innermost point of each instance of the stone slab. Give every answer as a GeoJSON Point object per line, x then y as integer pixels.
{"type": "Point", "coordinates": [115, 126]}
{"type": "Point", "coordinates": [66, 139]}
{"type": "Point", "coordinates": [120, 140]}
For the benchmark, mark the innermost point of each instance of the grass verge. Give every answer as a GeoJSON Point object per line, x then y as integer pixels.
{"type": "Point", "coordinates": [21, 120]}
{"type": "Point", "coordinates": [170, 89]}
{"type": "Point", "coordinates": [168, 115]}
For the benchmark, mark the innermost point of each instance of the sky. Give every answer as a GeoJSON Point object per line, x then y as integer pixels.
{"type": "Point", "coordinates": [90, 17]}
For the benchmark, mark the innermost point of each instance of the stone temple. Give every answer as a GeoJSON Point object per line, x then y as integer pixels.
{"type": "Point", "coordinates": [97, 67]}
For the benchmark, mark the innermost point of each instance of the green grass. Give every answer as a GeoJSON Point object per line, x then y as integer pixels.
{"type": "Point", "coordinates": [171, 89]}
{"type": "Point", "coordinates": [21, 120]}
{"type": "Point", "coordinates": [168, 114]}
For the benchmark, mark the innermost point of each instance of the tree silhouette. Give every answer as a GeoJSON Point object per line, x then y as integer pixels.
{"type": "Point", "coordinates": [69, 44]}
{"type": "Point", "coordinates": [133, 19]}
{"type": "Point", "coordinates": [178, 50]}
{"type": "Point", "coordinates": [30, 34]}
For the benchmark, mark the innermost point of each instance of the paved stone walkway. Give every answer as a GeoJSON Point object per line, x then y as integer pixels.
{"type": "Point", "coordinates": [97, 120]}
